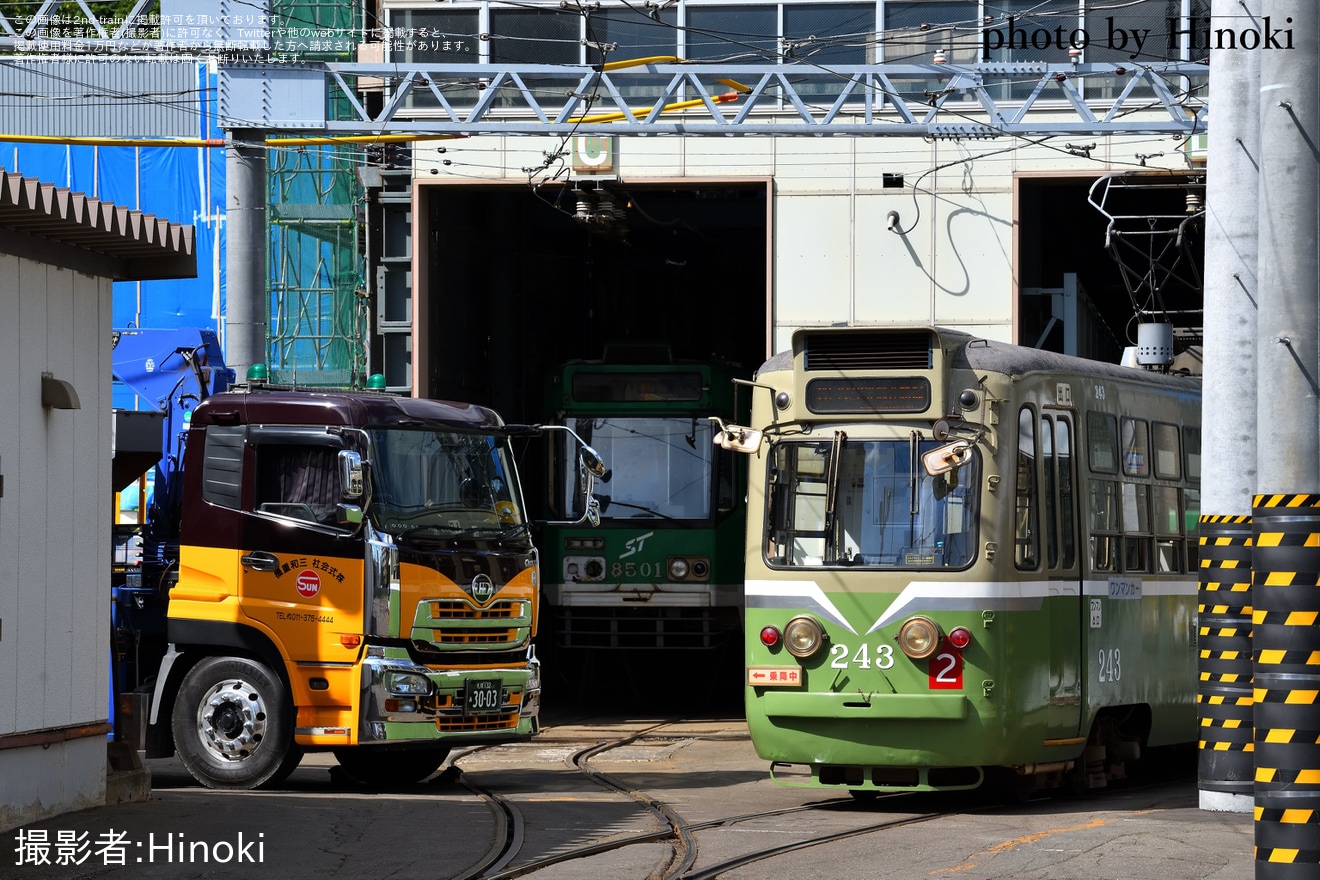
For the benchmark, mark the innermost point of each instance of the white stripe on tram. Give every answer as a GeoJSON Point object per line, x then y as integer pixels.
{"type": "Point", "coordinates": [967, 595]}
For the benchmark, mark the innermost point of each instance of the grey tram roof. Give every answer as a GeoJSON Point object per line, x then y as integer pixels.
{"type": "Point", "coordinates": [55, 225]}
{"type": "Point", "coordinates": [969, 352]}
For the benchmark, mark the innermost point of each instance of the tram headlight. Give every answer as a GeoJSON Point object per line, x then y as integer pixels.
{"type": "Point", "coordinates": [803, 637]}
{"type": "Point", "coordinates": [678, 569]}
{"type": "Point", "coordinates": [583, 569]}
{"type": "Point", "coordinates": [919, 637]}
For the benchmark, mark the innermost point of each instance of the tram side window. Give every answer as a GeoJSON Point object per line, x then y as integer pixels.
{"type": "Point", "coordinates": [1136, 527]}
{"type": "Point", "coordinates": [1102, 437]}
{"type": "Point", "coordinates": [1047, 487]}
{"type": "Point", "coordinates": [1192, 523]}
{"type": "Point", "coordinates": [1026, 550]}
{"type": "Point", "coordinates": [1136, 447]}
{"type": "Point", "coordinates": [1168, 460]}
{"type": "Point", "coordinates": [1192, 497]}
{"type": "Point", "coordinates": [1057, 492]}
{"type": "Point", "coordinates": [1192, 450]}
{"type": "Point", "coordinates": [1167, 520]}
{"type": "Point", "coordinates": [1102, 524]}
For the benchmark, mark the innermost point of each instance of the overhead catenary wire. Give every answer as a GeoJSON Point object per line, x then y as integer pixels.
{"type": "Point", "coordinates": [554, 158]}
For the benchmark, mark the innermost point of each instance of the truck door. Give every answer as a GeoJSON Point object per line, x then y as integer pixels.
{"type": "Point", "coordinates": [301, 571]}
{"type": "Point", "coordinates": [1063, 604]}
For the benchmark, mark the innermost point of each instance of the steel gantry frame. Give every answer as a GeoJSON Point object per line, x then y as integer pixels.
{"type": "Point", "coordinates": [675, 98]}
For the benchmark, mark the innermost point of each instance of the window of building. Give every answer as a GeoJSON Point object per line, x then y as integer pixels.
{"type": "Point", "coordinates": [745, 34]}
{"type": "Point", "coordinates": [535, 35]}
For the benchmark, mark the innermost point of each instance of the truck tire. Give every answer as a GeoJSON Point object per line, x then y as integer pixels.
{"type": "Point", "coordinates": [390, 768]}
{"type": "Point", "coordinates": [287, 766]}
{"type": "Point", "coordinates": [233, 724]}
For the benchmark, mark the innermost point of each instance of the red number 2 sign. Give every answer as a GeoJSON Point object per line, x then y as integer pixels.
{"type": "Point", "coordinates": [946, 671]}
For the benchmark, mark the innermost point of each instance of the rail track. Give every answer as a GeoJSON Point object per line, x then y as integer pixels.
{"type": "Point", "coordinates": [506, 859]}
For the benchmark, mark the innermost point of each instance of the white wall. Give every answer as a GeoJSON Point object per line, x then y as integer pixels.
{"type": "Point", "coordinates": [54, 538]}
{"type": "Point", "coordinates": [834, 259]}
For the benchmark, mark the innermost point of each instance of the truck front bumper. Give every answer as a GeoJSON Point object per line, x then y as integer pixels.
{"type": "Point", "coordinates": [404, 701]}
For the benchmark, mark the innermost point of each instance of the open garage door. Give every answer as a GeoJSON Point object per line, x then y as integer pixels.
{"type": "Point", "coordinates": [1127, 248]}
{"type": "Point", "coordinates": [517, 283]}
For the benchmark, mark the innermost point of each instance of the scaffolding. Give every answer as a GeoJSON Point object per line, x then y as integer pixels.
{"type": "Point", "coordinates": [318, 310]}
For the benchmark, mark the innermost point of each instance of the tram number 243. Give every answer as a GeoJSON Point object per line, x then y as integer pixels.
{"type": "Point", "coordinates": [945, 670]}
{"type": "Point", "coordinates": [1110, 665]}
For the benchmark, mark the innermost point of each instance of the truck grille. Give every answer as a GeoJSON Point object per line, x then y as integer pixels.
{"type": "Point", "coordinates": [460, 609]}
{"type": "Point", "coordinates": [469, 637]}
{"type": "Point", "coordinates": [476, 723]}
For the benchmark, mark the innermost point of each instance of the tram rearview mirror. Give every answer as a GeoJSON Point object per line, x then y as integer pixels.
{"type": "Point", "coordinates": [592, 461]}
{"type": "Point", "coordinates": [943, 459]}
{"type": "Point", "coordinates": [735, 438]}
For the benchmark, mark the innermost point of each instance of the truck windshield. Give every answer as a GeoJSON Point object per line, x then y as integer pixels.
{"type": "Point", "coordinates": [868, 503]}
{"type": "Point", "coordinates": [445, 482]}
{"type": "Point", "coordinates": [659, 467]}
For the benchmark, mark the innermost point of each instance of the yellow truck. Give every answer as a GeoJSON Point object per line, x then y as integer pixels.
{"type": "Point", "coordinates": [351, 572]}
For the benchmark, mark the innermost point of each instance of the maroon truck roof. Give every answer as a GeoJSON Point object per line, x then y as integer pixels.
{"type": "Point", "coordinates": [360, 409]}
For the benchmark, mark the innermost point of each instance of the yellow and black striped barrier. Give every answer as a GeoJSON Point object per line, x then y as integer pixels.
{"type": "Point", "coordinates": [1286, 684]}
{"type": "Point", "coordinates": [1225, 758]}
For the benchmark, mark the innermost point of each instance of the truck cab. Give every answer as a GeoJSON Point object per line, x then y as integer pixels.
{"type": "Point", "coordinates": [355, 574]}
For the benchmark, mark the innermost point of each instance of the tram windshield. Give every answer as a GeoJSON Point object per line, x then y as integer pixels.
{"type": "Point", "coordinates": [869, 503]}
{"type": "Point", "coordinates": [659, 467]}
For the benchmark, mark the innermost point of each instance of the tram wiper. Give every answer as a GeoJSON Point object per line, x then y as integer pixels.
{"type": "Point", "coordinates": [606, 501]}
{"type": "Point", "coordinates": [832, 495]}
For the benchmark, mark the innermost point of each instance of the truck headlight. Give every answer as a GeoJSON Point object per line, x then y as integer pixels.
{"type": "Point", "coordinates": [407, 684]}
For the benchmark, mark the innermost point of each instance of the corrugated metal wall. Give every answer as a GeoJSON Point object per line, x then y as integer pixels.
{"type": "Point", "coordinates": [107, 97]}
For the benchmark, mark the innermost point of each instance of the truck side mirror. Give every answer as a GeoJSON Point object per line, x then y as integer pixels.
{"type": "Point", "coordinates": [350, 474]}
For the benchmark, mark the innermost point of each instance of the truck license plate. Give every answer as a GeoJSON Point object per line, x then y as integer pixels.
{"type": "Point", "coordinates": [483, 695]}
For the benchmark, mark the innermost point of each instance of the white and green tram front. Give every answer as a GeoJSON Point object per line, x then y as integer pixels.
{"type": "Point", "coordinates": [931, 591]}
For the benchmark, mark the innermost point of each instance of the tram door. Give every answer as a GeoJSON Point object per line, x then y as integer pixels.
{"type": "Point", "coordinates": [1061, 561]}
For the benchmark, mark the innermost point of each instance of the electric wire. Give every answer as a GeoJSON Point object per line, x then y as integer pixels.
{"type": "Point", "coordinates": [553, 168]}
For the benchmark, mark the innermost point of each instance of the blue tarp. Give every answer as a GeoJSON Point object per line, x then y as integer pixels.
{"type": "Point", "coordinates": [181, 184]}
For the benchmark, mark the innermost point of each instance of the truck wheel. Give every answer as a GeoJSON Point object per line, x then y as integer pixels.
{"type": "Point", "coordinates": [390, 768]}
{"type": "Point", "coordinates": [233, 723]}
{"type": "Point", "coordinates": [287, 766]}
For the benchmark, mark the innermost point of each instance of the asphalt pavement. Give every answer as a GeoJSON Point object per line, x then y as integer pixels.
{"type": "Point", "coordinates": [319, 825]}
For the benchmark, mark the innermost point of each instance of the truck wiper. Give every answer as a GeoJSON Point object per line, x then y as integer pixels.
{"type": "Point", "coordinates": [453, 533]}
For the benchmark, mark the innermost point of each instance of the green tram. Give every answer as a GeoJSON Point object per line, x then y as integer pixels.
{"type": "Point", "coordinates": [664, 569]}
{"type": "Point", "coordinates": [966, 560]}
